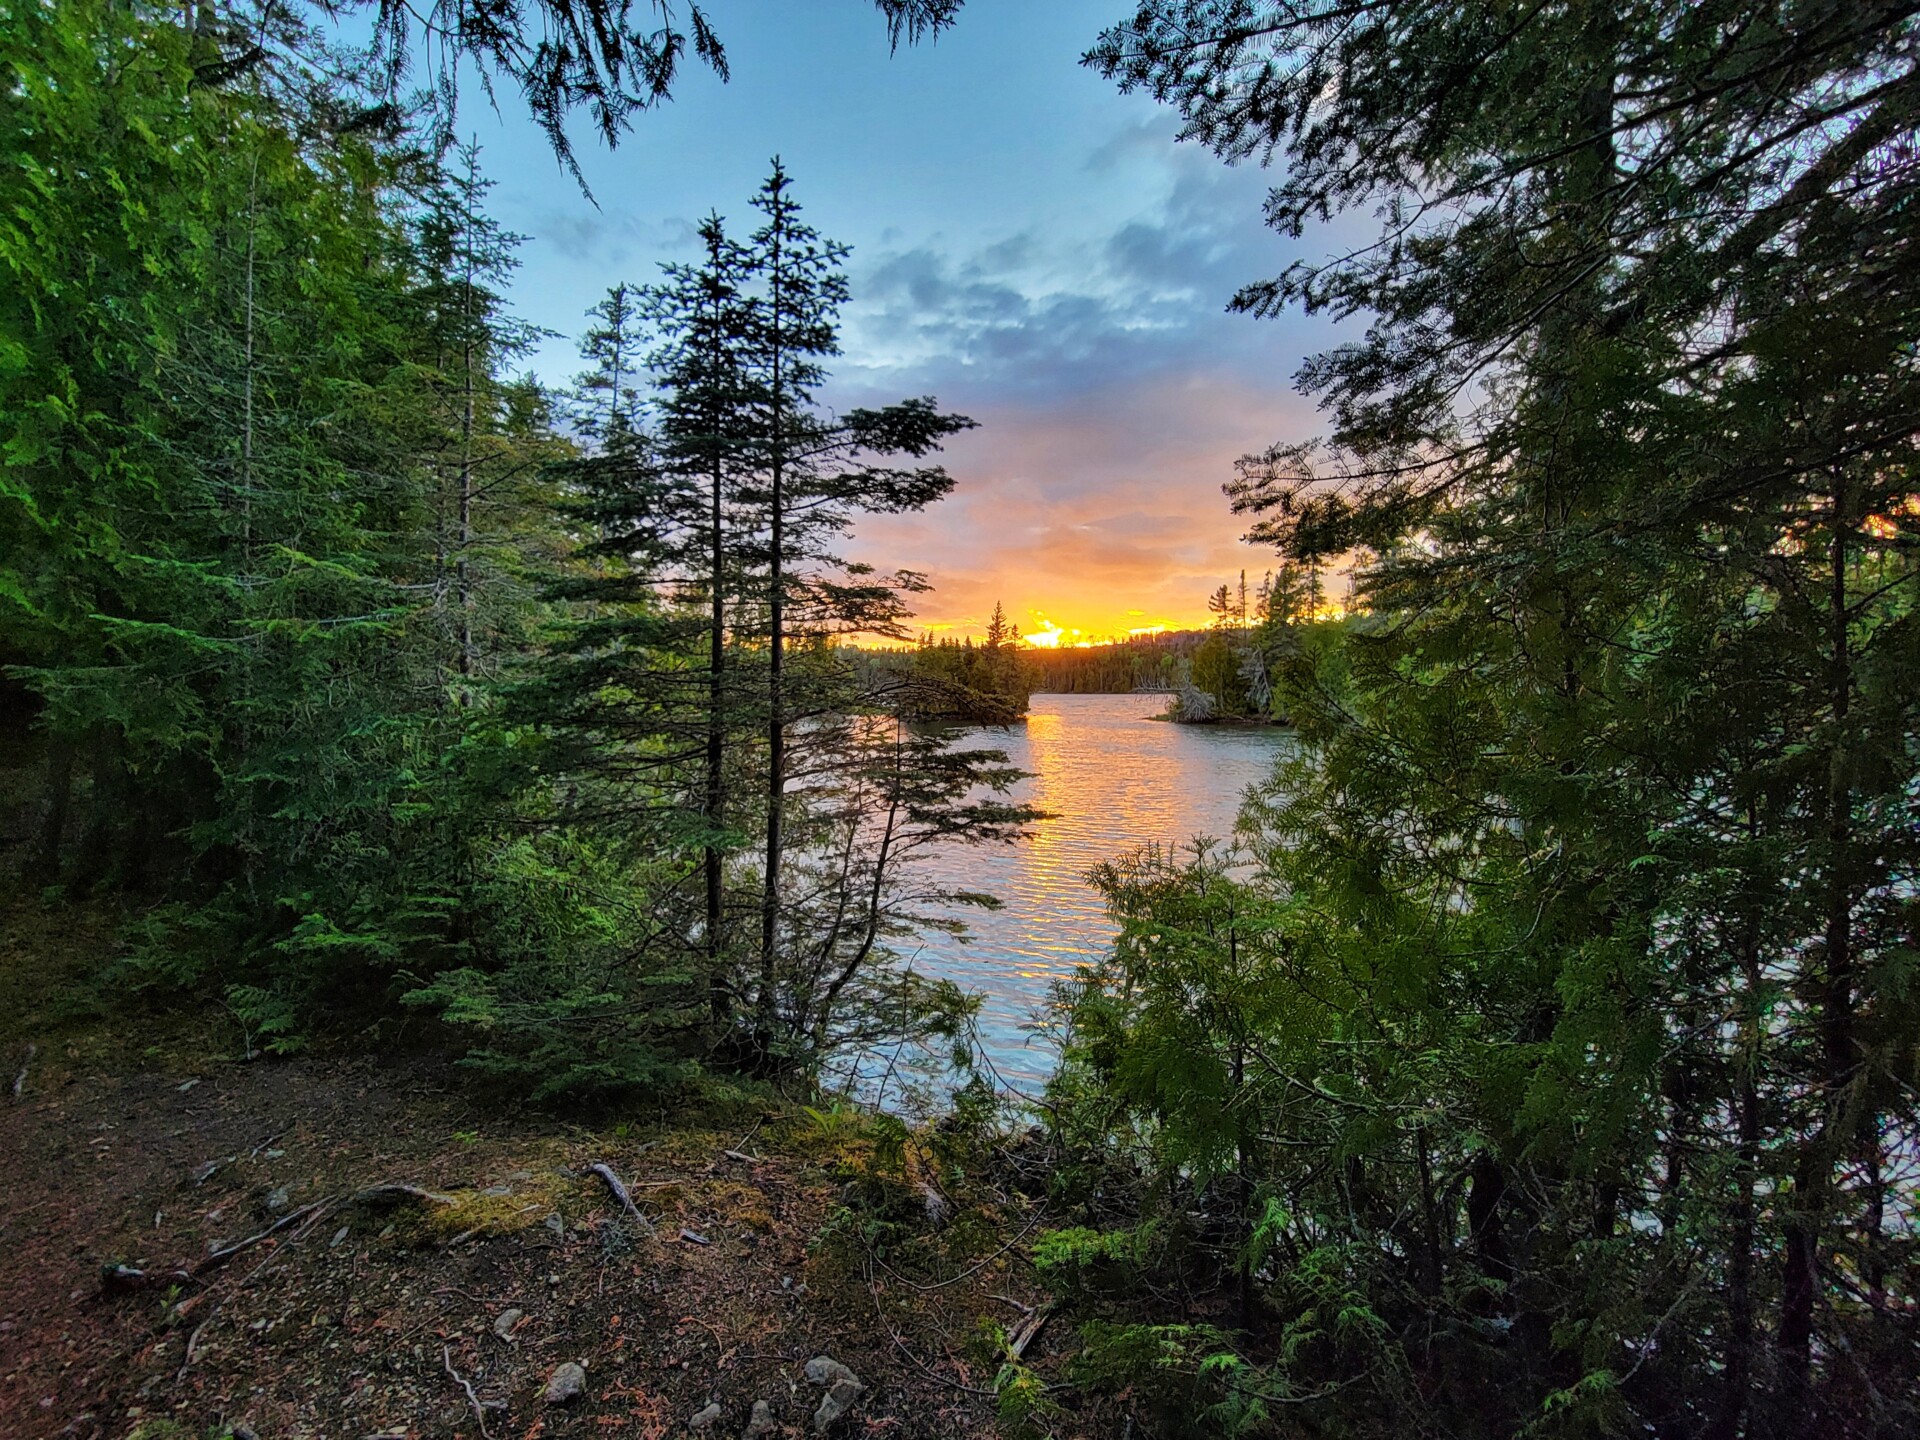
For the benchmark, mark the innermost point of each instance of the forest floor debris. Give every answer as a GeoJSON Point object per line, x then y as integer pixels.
{"type": "Point", "coordinates": [376, 1251]}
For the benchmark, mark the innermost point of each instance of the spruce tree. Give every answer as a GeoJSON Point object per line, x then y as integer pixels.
{"type": "Point", "coordinates": [811, 475]}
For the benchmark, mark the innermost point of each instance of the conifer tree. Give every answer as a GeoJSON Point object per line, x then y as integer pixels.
{"type": "Point", "coordinates": [812, 473]}
{"type": "Point", "coordinates": [1589, 888]}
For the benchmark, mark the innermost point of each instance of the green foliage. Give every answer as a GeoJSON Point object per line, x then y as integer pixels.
{"type": "Point", "coordinates": [957, 681]}
{"type": "Point", "coordinates": [1545, 1065]}
{"type": "Point", "coordinates": [1216, 670]}
{"type": "Point", "coordinates": [1188, 1377]}
{"type": "Point", "coordinates": [365, 681]}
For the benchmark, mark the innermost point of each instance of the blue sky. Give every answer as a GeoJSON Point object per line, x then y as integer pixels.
{"type": "Point", "coordinates": [1030, 246]}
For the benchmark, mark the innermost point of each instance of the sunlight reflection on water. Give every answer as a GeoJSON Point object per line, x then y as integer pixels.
{"type": "Point", "coordinates": [1114, 779]}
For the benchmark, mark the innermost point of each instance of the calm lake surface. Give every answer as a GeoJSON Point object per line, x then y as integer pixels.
{"type": "Point", "coordinates": [1114, 778]}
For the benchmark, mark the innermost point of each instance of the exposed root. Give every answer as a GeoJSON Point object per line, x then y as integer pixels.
{"type": "Point", "coordinates": [479, 1411]}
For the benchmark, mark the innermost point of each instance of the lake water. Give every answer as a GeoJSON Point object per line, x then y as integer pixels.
{"type": "Point", "coordinates": [1113, 778]}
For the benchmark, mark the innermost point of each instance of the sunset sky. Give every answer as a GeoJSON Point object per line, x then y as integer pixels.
{"type": "Point", "coordinates": [1030, 246]}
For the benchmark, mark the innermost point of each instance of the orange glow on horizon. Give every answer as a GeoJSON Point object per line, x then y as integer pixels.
{"type": "Point", "coordinates": [1097, 624]}
{"type": "Point", "coordinates": [1048, 634]}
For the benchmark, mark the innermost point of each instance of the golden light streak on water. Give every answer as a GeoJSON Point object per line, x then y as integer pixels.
{"type": "Point", "coordinates": [1114, 779]}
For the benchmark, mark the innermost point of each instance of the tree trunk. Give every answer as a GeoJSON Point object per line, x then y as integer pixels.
{"type": "Point", "coordinates": [1737, 1388]}
{"type": "Point", "coordinates": [44, 868]}
{"type": "Point", "coordinates": [776, 698]}
{"type": "Point", "coordinates": [464, 531]}
{"type": "Point", "coordinates": [718, 1001]}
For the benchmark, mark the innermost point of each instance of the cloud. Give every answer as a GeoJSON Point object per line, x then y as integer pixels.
{"type": "Point", "coordinates": [1087, 514]}
{"type": "Point", "coordinates": [615, 237]}
{"type": "Point", "coordinates": [1114, 393]}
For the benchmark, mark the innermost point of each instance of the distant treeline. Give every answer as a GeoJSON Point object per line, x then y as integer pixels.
{"type": "Point", "coordinates": [1144, 662]}
{"type": "Point", "coordinates": [954, 680]}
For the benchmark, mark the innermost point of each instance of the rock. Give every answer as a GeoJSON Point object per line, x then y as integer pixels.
{"type": "Point", "coordinates": [705, 1419]}
{"type": "Point", "coordinates": [939, 1211]}
{"type": "Point", "coordinates": [834, 1404]}
{"type": "Point", "coordinates": [556, 1226]}
{"type": "Point", "coordinates": [825, 1370]}
{"type": "Point", "coordinates": [504, 1322]}
{"type": "Point", "coordinates": [843, 1390]}
{"type": "Point", "coordinates": [761, 1422]}
{"type": "Point", "coordinates": [278, 1198]}
{"type": "Point", "coordinates": [339, 1237]}
{"type": "Point", "coordinates": [567, 1383]}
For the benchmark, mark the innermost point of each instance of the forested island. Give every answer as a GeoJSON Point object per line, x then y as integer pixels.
{"type": "Point", "coordinates": [474, 838]}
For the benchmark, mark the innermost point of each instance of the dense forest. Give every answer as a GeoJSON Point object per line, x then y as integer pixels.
{"type": "Point", "coordinates": [1545, 1061]}
{"type": "Point", "coordinates": [394, 684]}
{"type": "Point", "coordinates": [1540, 1056]}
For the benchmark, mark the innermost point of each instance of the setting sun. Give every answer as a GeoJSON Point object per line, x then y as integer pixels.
{"type": "Point", "coordinates": [1050, 635]}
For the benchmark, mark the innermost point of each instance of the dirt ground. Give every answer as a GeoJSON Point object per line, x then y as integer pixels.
{"type": "Point", "coordinates": [280, 1292]}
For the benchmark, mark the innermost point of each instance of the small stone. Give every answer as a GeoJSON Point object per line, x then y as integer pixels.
{"type": "Point", "coordinates": [504, 1322]}
{"type": "Point", "coordinates": [388, 1233]}
{"type": "Point", "coordinates": [278, 1198]}
{"type": "Point", "coordinates": [553, 1279]}
{"type": "Point", "coordinates": [705, 1419]}
{"type": "Point", "coordinates": [496, 1192]}
{"type": "Point", "coordinates": [834, 1404]}
{"type": "Point", "coordinates": [825, 1370]}
{"type": "Point", "coordinates": [761, 1422]}
{"type": "Point", "coordinates": [843, 1389]}
{"type": "Point", "coordinates": [339, 1237]}
{"type": "Point", "coordinates": [567, 1383]}
{"type": "Point", "coordinates": [556, 1225]}
{"type": "Point", "coordinates": [273, 1154]}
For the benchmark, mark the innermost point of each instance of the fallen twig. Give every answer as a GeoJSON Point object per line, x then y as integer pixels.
{"type": "Point", "coordinates": [873, 1293]}
{"type": "Point", "coordinates": [193, 1342]}
{"type": "Point", "coordinates": [20, 1080]}
{"type": "Point", "coordinates": [479, 1413]}
{"type": "Point", "coordinates": [227, 1252]}
{"type": "Point", "coordinates": [739, 1151]}
{"type": "Point", "coordinates": [619, 1189]}
{"type": "Point", "coordinates": [319, 1213]}
{"type": "Point", "coordinates": [1030, 1327]}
